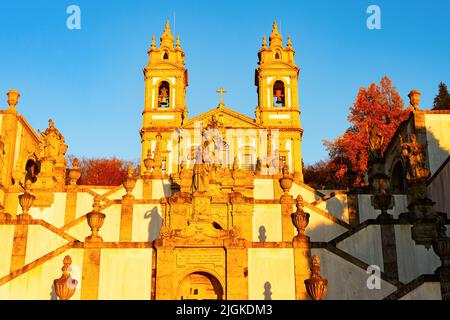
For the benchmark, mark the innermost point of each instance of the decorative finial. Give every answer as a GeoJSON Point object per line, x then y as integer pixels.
{"type": "Point", "coordinates": [166, 37]}
{"type": "Point", "coordinates": [95, 220]}
{"type": "Point", "coordinates": [300, 219]}
{"type": "Point", "coordinates": [65, 286]}
{"type": "Point", "coordinates": [316, 286]}
{"type": "Point", "coordinates": [414, 99]}
{"type": "Point", "coordinates": [275, 38]}
{"type": "Point", "coordinates": [26, 199]}
{"type": "Point", "coordinates": [289, 43]}
{"type": "Point", "coordinates": [178, 45]}
{"type": "Point", "coordinates": [264, 42]}
{"type": "Point", "coordinates": [153, 45]}
{"type": "Point", "coordinates": [74, 173]}
{"type": "Point", "coordinates": [129, 183]}
{"type": "Point", "coordinates": [13, 98]}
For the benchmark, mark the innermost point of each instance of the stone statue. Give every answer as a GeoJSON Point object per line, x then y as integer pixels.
{"type": "Point", "coordinates": [52, 142]}
{"type": "Point", "coordinates": [258, 168]}
{"type": "Point", "coordinates": [414, 155]}
{"type": "Point", "coordinates": [156, 162]}
{"type": "Point", "coordinates": [201, 170]}
{"type": "Point", "coordinates": [375, 143]}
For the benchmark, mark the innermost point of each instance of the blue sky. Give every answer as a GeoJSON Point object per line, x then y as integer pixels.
{"type": "Point", "coordinates": [90, 81]}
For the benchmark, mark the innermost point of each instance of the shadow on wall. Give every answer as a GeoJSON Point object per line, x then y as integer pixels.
{"type": "Point", "coordinates": [53, 295]}
{"type": "Point", "coordinates": [267, 292]}
{"type": "Point", "coordinates": [154, 225]}
{"type": "Point", "coordinates": [262, 234]}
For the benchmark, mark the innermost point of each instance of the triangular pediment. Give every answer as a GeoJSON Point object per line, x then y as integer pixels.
{"type": "Point", "coordinates": [225, 118]}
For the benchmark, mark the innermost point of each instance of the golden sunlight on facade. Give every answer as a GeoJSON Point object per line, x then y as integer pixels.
{"type": "Point", "coordinates": [219, 209]}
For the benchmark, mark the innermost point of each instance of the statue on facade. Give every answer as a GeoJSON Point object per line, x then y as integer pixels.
{"type": "Point", "coordinates": [156, 162]}
{"type": "Point", "coordinates": [375, 143]}
{"type": "Point", "coordinates": [201, 171]}
{"type": "Point", "coordinates": [414, 154]}
{"type": "Point", "coordinates": [52, 142]}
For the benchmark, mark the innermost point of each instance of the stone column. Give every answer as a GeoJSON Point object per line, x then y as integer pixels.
{"type": "Point", "coordinates": [287, 206]}
{"type": "Point", "coordinates": [166, 286]}
{"type": "Point", "coordinates": [90, 271]}
{"type": "Point", "coordinates": [302, 255]}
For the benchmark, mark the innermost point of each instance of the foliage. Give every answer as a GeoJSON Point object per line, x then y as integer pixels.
{"type": "Point", "coordinates": [102, 171]}
{"type": "Point", "coordinates": [379, 107]}
{"type": "Point", "coordinates": [442, 99]}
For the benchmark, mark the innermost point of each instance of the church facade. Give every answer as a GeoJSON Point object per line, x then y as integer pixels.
{"type": "Point", "coordinates": [219, 209]}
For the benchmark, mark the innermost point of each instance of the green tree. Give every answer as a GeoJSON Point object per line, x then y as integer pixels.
{"type": "Point", "coordinates": [442, 99]}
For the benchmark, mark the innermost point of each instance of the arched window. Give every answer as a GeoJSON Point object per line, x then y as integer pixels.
{"type": "Point", "coordinates": [165, 55]}
{"type": "Point", "coordinates": [32, 170]}
{"type": "Point", "coordinates": [398, 179]}
{"type": "Point", "coordinates": [278, 55]}
{"type": "Point", "coordinates": [164, 95]}
{"type": "Point", "coordinates": [279, 94]}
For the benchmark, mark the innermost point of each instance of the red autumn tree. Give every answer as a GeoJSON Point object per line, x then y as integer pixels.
{"type": "Point", "coordinates": [102, 171]}
{"type": "Point", "coordinates": [379, 107]}
{"type": "Point", "coordinates": [321, 175]}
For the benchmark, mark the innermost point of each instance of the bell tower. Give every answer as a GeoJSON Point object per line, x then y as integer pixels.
{"type": "Point", "coordinates": [166, 79]}
{"type": "Point", "coordinates": [276, 79]}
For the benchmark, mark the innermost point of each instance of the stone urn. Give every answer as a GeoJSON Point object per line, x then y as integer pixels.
{"type": "Point", "coordinates": [286, 180]}
{"type": "Point", "coordinates": [95, 220]}
{"type": "Point", "coordinates": [300, 218]}
{"type": "Point", "coordinates": [316, 286]}
{"type": "Point", "coordinates": [74, 173]}
{"type": "Point", "coordinates": [65, 286]}
{"type": "Point", "coordinates": [26, 200]}
{"type": "Point", "coordinates": [148, 163]}
{"type": "Point", "coordinates": [129, 183]}
{"type": "Point", "coordinates": [442, 248]}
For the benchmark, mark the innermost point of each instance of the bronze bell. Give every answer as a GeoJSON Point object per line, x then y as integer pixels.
{"type": "Point", "coordinates": [279, 95]}
{"type": "Point", "coordinates": [163, 95]}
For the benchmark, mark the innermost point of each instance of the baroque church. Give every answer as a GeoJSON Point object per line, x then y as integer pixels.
{"type": "Point", "coordinates": [219, 209]}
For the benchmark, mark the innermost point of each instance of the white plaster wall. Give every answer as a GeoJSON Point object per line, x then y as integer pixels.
{"type": "Point", "coordinates": [365, 245]}
{"type": "Point", "coordinates": [263, 189]}
{"type": "Point", "coordinates": [427, 291]}
{"type": "Point", "coordinates": [347, 281]}
{"type": "Point", "coordinates": [160, 188]}
{"type": "Point", "coordinates": [438, 190]}
{"type": "Point", "coordinates": [81, 230]}
{"type": "Point", "coordinates": [6, 244]}
{"type": "Point", "coordinates": [37, 283]}
{"type": "Point", "coordinates": [413, 260]}
{"type": "Point", "coordinates": [275, 266]}
{"type": "Point", "coordinates": [118, 194]}
{"type": "Point", "coordinates": [84, 204]}
{"type": "Point", "coordinates": [337, 206]}
{"type": "Point", "coordinates": [438, 139]}
{"type": "Point", "coordinates": [125, 274]}
{"type": "Point", "coordinates": [137, 191]}
{"type": "Point", "coordinates": [147, 222]}
{"type": "Point", "coordinates": [110, 231]}
{"type": "Point", "coordinates": [366, 210]}
{"type": "Point", "coordinates": [321, 229]}
{"type": "Point", "coordinates": [41, 241]}
{"type": "Point", "coordinates": [54, 214]}
{"type": "Point", "coordinates": [269, 217]}
{"type": "Point", "coordinates": [305, 193]}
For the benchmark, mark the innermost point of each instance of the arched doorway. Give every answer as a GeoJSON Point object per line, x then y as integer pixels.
{"type": "Point", "coordinates": [200, 286]}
